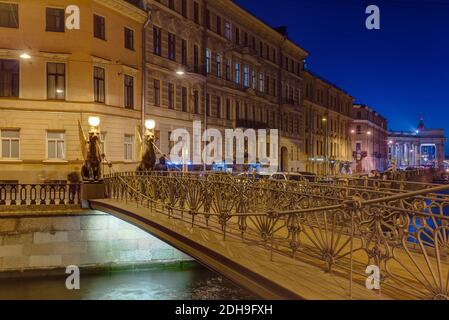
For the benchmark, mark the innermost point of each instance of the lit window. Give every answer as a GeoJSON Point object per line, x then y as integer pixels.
{"type": "Point", "coordinates": [261, 83]}
{"type": "Point", "coordinates": [208, 60]}
{"type": "Point", "coordinates": [246, 76]}
{"type": "Point", "coordinates": [228, 30]}
{"type": "Point", "coordinates": [219, 59]}
{"type": "Point", "coordinates": [237, 73]}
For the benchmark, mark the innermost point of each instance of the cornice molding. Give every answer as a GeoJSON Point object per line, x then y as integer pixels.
{"type": "Point", "coordinates": [124, 8]}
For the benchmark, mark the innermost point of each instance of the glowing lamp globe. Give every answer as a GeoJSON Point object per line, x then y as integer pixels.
{"type": "Point", "coordinates": [25, 56]}
{"type": "Point", "coordinates": [180, 72]}
{"type": "Point", "coordinates": [150, 124]}
{"type": "Point", "coordinates": [94, 121]}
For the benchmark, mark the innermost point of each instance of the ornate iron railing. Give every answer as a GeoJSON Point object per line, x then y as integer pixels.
{"type": "Point", "coordinates": [39, 194]}
{"type": "Point", "coordinates": [339, 228]}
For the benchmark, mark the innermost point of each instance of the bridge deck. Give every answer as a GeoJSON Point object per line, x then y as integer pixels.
{"type": "Point", "coordinates": [245, 263]}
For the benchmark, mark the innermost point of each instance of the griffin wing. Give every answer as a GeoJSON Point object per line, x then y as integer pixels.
{"type": "Point", "coordinates": [83, 141]}
{"type": "Point", "coordinates": [139, 143]}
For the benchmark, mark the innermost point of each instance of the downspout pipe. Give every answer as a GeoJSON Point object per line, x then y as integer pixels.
{"type": "Point", "coordinates": [144, 68]}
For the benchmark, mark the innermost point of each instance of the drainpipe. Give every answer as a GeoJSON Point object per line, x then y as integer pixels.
{"type": "Point", "coordinates": [144, 68]}
{"type": "Point", "coordinates": [280, 98]}
{"type": "Point", "coordinates": [206, 101]}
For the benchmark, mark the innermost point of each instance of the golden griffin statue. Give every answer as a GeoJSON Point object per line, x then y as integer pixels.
{"type": "Point", "coordinates": [90, 148]}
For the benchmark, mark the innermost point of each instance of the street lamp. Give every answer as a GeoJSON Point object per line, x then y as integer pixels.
{"type": "Point", "coordinates": [94, 122]}
{"type": "Point", "coordinates": [25, 56]}
{"type": "Point", "coordinates": [150, 124]}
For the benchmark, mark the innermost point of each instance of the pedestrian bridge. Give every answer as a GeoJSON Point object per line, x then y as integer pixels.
{"type": "Point", "coordinates": [297, 240]}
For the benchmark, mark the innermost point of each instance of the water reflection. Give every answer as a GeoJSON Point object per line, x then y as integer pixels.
{"type": "Point", "coordinates": [195, 283]}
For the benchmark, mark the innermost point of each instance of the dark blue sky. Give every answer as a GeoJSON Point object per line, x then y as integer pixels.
{"type": "Point", "coordinates": [402, 70]}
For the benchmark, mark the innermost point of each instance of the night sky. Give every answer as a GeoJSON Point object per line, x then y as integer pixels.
{"type": "Point", "coordinates": [402, 70]}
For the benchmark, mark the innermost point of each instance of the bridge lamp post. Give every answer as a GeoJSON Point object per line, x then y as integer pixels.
{"type": "Point", "coordinates": [94, 123]}
{"type": "Point", "coordinates": [150, 125]}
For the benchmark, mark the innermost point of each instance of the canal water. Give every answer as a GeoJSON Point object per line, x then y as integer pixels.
{"type": "Point", "coordinates": [193, 283]}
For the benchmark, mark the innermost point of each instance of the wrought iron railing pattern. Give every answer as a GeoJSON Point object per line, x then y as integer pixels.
{"type": "Point", "coordinates": [341, 228]}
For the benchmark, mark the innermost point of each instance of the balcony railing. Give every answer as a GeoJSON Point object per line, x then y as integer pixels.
{"type": "Point", "coordinates": [39, 194]}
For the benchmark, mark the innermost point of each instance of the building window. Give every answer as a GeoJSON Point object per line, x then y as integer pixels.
{"type": "Point", "coordinates": [99, 27]}
{"type": "Point", "coordinates": [196, 101]}
{"type": "Point", "coordinates": [9, 15]}
{"type": "Point", "coordinates": [184, 8]}
{"type": "Point", "coordinates": [171, 46]}
{"type": "Point", "coordinates": [208, 60]}
{"type": "Point", "coordinates": [237, 36]}
{"type": "Point", "coordinates": [129, 92]}
{"type": "Point", "coordinates": [55, 20]}
{"type": "Point", "coordinates": [246, 76]}
{"type": "Point", "coordinates": [219, 25]}
{"type": "Point", "coordinates": [208, 105]}
{"type": "Point", "coordinates": [253, 79]}
{"type": "Point", "coordinates": [261, 83]}
{"type": "Point", "coordinates": [228, 109]}
{"type": "Point", "coordinates": [237, 73]}
{"type": "Point", "coordinates": [157, 41]}
{"type": "Point", "coordinates": [171, 4]}
{"type": "Point", "coordinates": [184, 106]}
{"type": "Point", "coordinates": [196, 59]}
{"type": "Point", "coordinates": [56, 145]}
{"type": "Point", "coordinates": [99, 84]}
{"type": "Point", "coordinates": [207, 19]}
{"type": "Point", "coordinates": [219, 61]}
{"type": "Point", "coordinates": [228, 69]}
{"type": "Point", "coordinates": [184, 52]}
{"type": "Point", "coordinates": [129, 148]}
{"type": "Point", "coordinates": [157, 93]}
{"type": "Point", "coordinates": [9, 78]}
{"type": "Point", "coordinates": [103, 144]}
{"type": "Point", "coordinates": [55, 81]}
{"type": "Point", "coordinates": [171, 96]}
{"type": "Point", "coordinates": [228, 30]}
{"type": "Point", "coordinates": [196, 12]}
{"type": "Point", "coordinates": [10, 146]}
{"type": "Point", "coordinates": [237, 110]}
{"type": "Point", "coordinates": [129, 39]}
{"type": "Point", "coordinates": [219, 107]}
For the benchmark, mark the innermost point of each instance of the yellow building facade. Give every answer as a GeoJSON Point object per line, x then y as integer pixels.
{"type": "Point", "coordinates": [53, 77]}
{"type": "Point", "coordinates": [328, 124]}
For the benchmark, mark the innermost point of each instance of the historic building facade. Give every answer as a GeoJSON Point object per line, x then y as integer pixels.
{"type": "Point", "coordinates": [328, 119]}
{"type": "Point", "coordinates": [213, 62]}
{"type": "Point", "coordinates": [370, 148]}
{"type": "Point", "coordinates": [248, 75]}
{"type": "Point", "coordinates": [52, 77]}
{"type": "Point", "coordinates": [423, 147]}
{"type": "Point", "coordinates": [209, 61]}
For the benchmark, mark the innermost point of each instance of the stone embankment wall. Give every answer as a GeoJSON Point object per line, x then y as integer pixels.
{"type": "Point", "coordinates": [88, 239]}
